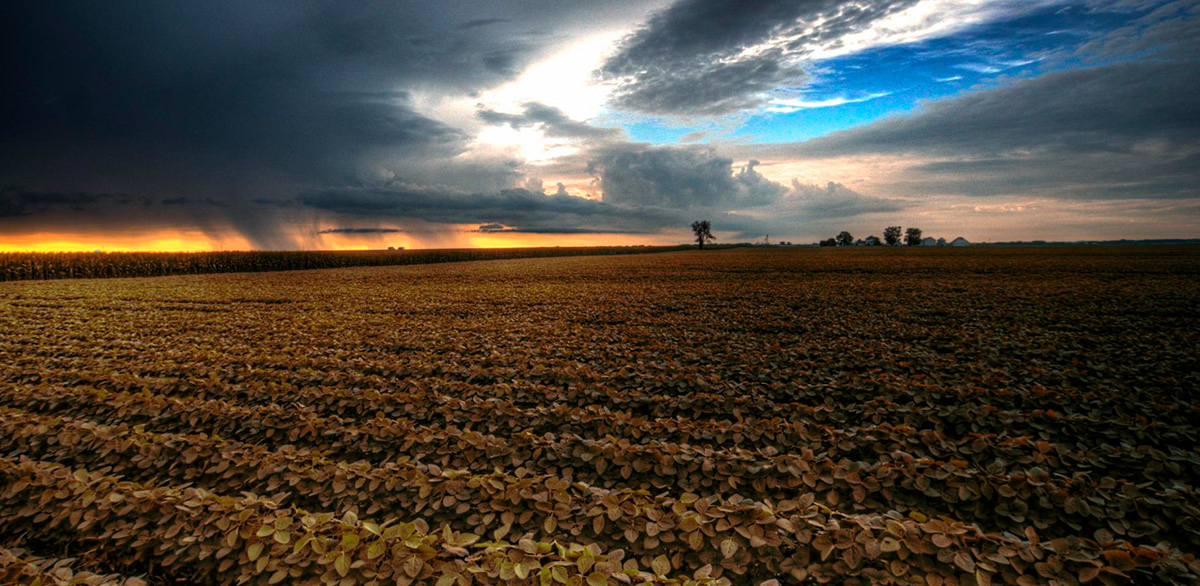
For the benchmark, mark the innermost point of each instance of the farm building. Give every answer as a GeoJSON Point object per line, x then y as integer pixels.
{"type": "Point", "coordinates": [929, 241]}
{"type": "Point", "coordinates": [960, 241]}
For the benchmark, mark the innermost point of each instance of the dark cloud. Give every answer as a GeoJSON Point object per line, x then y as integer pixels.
{"type": "Point", "coordinates": [678, 178]}
{"type": "Point", "coordinates": [481, 22]}
{"type": "Point", "coordinates": [361, 231]}
{"type": "Point", "coordinates": [550, 119]}
{"type": "Point", "coordinates": [1120, 130]}
{"type": "Point", "coordinates": [267, 201]}
{"type": "Point", "coordinates": [689, 59]}
{"type": "Point", "coordinates": [708, 88]}
{"type": "Point", "coordinates": [17, 201]}
{"type": "Point", "coordinates": [509, 207]}
{"type": "Point", "coordinates": [494, 228]}
{"type": "Point", "coordinates": [1171, 30]}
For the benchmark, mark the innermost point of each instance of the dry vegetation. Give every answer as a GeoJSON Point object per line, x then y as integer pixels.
{"type": "Point", "coordinates": [975, 416]}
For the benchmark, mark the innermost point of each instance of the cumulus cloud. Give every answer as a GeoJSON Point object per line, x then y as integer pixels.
{"type": "Point", "coordinates": [679, 178]}
{"type": "Point", "coordinates": [834, 200]}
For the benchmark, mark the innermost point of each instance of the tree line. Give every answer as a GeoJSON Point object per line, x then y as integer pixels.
{"type": "Point", "coordinates": [892, 236]}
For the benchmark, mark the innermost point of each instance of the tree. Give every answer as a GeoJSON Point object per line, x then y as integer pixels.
{"type": "Point", "coordinates": [845, 239]}
{"type": "Point", "coordinates": [829, 242]}
{"type": "Point", "coordinates": [891, 235]}
{"type": "Point", "coordinates": [912, 236]}
{"type": "Point", "coordinates": [703, 231]}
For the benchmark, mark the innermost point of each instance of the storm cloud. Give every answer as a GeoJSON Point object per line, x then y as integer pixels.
{"type": "Point", "coordinates": [518, 207]}
{"type": "Point", "coordinates": [237, 103]}
{"type": "Point", "coordinates": [17, 201]}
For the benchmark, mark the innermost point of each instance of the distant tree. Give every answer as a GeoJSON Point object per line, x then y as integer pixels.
{"type": "Point", "coordinates": [874, 240]}
{"type": "Point", "coordinates": [891, 235]}
{"type": "Point", "coordinates": [703, 231]}
{"type": "Point", "coordinates": [829, 242]}
{"type": "Point", "coordinates": [845, 239]}
{"type": "Point", "coordinates": [912, 236]}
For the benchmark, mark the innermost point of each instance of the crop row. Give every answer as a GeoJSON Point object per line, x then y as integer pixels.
{"type": "Point", "coordinates": [504, 416]}
{"type": "Point", "coordinates": [997, 454]}
{"type": "Point", "coordinates": [521, 406]}
{"type": "Point", "coordinates": [489, 505]}
{"type": "Point", "coordinates": [1058, 505]}
{"type": "Point", "coordinates": [197, 534]}
{"type": "Point", "coordinates": [190, 535]}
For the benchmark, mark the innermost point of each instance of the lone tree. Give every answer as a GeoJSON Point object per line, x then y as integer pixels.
{"type": "Point", "coordinates": [912, 236]}
{"type": "Point", "coordinates": [891, 235]}
{"type": "Point", "coordinates": [703, 231]}
{"type": "Point", "coordinates": [845, 239]}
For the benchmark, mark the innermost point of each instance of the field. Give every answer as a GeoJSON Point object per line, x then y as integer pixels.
{"type": "Point", "coordinates": [20, 266]}
{"type": "Point", "coordinates": [748, 416]}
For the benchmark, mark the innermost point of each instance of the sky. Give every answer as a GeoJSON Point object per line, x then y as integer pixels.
{"type": "Point", "coordinates": [305, 124]}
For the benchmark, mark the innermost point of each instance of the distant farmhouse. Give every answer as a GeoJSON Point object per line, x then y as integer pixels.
{"type": "Point", "coordinates": [930, 241]}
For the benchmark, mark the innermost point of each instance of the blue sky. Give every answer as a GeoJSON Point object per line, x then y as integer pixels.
{"type": "Point", "coordinates": [892, 80]}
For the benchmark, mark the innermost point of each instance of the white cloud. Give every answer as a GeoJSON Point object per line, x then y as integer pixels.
{"type": "Point", "coordinates": [927, 19]}
{"type": "Point", "coordinates": [783, 105]}
{"type": "Point", "coordinates": [564, 80]}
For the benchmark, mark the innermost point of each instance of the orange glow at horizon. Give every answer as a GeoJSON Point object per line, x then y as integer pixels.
{"type": "Point", "coordinates": [163, 241]}
{"type": "Point", "coordinates": [522, 240]}
{"type": "Point", "coordinates": [196, 241]}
